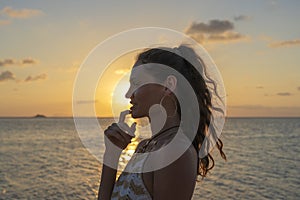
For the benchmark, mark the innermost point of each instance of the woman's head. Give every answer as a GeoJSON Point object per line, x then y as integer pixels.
{"type": "Point", "coordinates": [161, 84]}
{"type": "Point", "coordinates": [151, 85]}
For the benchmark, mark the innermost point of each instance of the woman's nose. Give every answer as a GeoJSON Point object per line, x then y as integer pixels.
{"type": "Point", "coordinates": [129, 93]}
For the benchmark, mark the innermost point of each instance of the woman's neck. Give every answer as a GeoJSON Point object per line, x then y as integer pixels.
{"type": "Point", "coordinates": [159, 119]}
{"type": "Point", "coordinates": [158, 124]}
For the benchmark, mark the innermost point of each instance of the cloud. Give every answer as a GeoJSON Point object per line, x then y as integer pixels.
{"type": "Point", "coordinates": [248, 107]}
{"type": "Point", "coordinates": [121, 71]}
{"type": "Point", "coordinates": [263, 111]}
{"type": "Point", "coordinates": [212, 27]}
{"type": "Point", "coordinates": [227, 36]}
{"type": "Point", "coordinates": [29, 61]}
{"type": "Point", "coordinates": [6, 75]}
{"type": "Point", "coordinates": [87, 101]}
{"type": "Point", "coordinates": [25, 61]}
{"type": "Point", "coordinates": [214, 31]}
{"type": "Point", "coordinates": [259, 87]}
{"type": "Point", "coordinates": [4, 22]}
{"type": "Point", "coordinates": [36, 78]}
{"type": "Point", "coordinates": [286, 43]}
{"type": "Point", "coordinates": [284, 94]}
{"type": "Point", "coordinates": [6, 62]}
{"type": "Point", "coordinates": [241, 18]}
{"type": "Point", "coordinates": [298, 88]}
{"type": "Point", "coordinates": [20, 14]}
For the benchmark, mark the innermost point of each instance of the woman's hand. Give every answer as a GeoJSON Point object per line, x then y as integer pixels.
{"type": "Point", "coordinates": [120, 134]}
{"type": "Point", "coordinates": [117, 137]}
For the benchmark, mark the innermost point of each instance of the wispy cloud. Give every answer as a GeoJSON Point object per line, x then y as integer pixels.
{"type": "Point", "coordinates": [285, 43]}
{"type": "Point", "coordinates": [247, 107]}
{"type": "Point", "coordinates": [21, 13]}
{"type": "Point", "coordinates": [214, 31]}
{"type": "Point", "coordinates": [241, 18]}
{"type": "Point", "coordinates": [298, 88]}
{"type": "Point", "coordinates": [69, 69]}
{"type": "Point", "coordinates": [36, 78]}
{"type": "Point", "coordinates": [212, 27]}
{"type": "Point", "coordinates": [29, 61]}
{"type": "Point", "coordinates": [261, 110]}
{"type": "Point", "coordinates": [87, 101]}
{"type": "Point", "coordinates": [251, 107]}
{"type": "Point", "coordinates": [4, 22]}
{"type": "Point", "coordinates": [284, 94]}
{"type": "Point", "coordinates": [6, 62]}
{"type": "Point", "coordinates": [6, 75]}
{"type": "Point", "coordinates": [121, 71]}
{"type": "Point", "coordinates": [259, 87]}
{"type": "Point", "coordinates": [25, 61]}
{"type": "Point", "coordinates": [226, 36]}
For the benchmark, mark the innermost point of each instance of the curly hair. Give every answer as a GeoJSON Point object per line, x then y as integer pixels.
{"type": "Point", "coordinates": [166, 57]}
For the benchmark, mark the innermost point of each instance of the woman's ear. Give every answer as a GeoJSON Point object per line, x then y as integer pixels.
{"type": "Point", "coordinates": [171, 83]}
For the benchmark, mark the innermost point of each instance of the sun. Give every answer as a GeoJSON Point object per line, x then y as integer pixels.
{"type": "Point", "coordinates": [118, 100]}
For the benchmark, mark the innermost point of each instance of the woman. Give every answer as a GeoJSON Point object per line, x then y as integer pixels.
{"type": "Point", "coordinates": [156, 93]}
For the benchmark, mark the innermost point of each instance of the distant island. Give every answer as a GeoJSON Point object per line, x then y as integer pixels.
{"type": "Point", "coordinates": [39, 116]}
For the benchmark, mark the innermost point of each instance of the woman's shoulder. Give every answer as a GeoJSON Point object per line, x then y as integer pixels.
{"type": "Point", "coordinates": [189, 155]}
{"type": "Point", "coordinates": [180, 174]}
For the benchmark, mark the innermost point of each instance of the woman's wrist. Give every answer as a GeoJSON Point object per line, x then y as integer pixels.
{"type": "Point", "coordinates": [111, 158]}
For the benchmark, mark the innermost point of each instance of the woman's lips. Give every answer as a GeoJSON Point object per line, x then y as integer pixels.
{"type": "Point", "coordinates": [132, 107]}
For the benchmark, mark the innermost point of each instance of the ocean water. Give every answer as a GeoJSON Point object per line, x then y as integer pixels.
{"type": "Point", "coordinates": [45, 159]}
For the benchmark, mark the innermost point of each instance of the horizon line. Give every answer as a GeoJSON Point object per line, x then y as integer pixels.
{"type": "Point", "coordinates": [103, 117]}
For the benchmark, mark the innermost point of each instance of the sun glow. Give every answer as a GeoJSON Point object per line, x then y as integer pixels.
{"type": "Point", "coordinates": [113, 85]}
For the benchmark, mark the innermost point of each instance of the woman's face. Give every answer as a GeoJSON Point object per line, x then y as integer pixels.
{"type": "Point", "coordinates": [144, 91]}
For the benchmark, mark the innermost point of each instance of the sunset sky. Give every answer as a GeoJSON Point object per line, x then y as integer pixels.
{"type": "Point", "coordinates": [255, 44]}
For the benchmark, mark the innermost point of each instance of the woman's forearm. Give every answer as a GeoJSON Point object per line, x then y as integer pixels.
{"type": "Point", "coordinates": [116, 140]}
{"type": "Point", "coordinates": [108, 177]}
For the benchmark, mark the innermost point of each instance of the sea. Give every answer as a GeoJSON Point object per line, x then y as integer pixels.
{"type": "Point", "coordinates": [45, 158]}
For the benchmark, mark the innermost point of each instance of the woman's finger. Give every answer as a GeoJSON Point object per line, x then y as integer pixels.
{"type": "Point", "coordinates": [127, 138]}
{"type": "Point", "coordinates": [123, 115]}
{"type": "Point", "coordinates": [116, 139]}
{"type": "Point", "coordinates": [133, 128]}
{"type": "Point", "coordinates": [123, 127]}
{"type": "Point", "coordinates": [113, 135]}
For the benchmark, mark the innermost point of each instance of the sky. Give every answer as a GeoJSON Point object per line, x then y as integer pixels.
{"type": "Point", "coordinates": [255, 44]}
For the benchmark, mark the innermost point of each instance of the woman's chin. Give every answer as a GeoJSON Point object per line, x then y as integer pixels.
{"type": "Point", "coordinates": [135, 114]}
{"type": "Point", "coordinates": [132, 113]}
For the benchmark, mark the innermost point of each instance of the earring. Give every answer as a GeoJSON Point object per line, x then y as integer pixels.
{"type": "Point", "coordinates": [175, 103]}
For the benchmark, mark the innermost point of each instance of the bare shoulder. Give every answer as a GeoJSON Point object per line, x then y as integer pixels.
{"type": "Point", "coordinates": [181, 174]}
{"type": "Point", "coordinates": [187, 161]}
